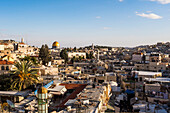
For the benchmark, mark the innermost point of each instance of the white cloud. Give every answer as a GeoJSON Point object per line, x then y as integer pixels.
{"type": "Point", "coordinates": [98, 17]}
{"type": "Point", "coordinates": [162, 1]}
{"type": "Point", "coordinates": [150, 15]}
{"type": "Point", "coordinates": [120, 0]}
{"type": "Point", "coordinates": [105, 28]}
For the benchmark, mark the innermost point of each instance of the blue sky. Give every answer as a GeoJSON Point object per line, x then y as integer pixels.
{"type": "Point", "coordinates": [82, 22]}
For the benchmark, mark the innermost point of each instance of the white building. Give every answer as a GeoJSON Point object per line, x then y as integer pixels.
{"type": "Point", "coordinates": [76, 54]}
{"type": "Point", "coordinates": [1, 47]}
{"type": "Point", "coordinates": [141, 75]}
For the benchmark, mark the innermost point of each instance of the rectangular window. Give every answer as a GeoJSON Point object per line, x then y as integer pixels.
{"type": "Point", "coordinates": [140, 78]}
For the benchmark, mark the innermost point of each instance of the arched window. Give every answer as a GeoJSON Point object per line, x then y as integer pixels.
{"type": "Point", "coordinates": [7, 67]}
{"type": "Point", "coordinates": [2, 68]}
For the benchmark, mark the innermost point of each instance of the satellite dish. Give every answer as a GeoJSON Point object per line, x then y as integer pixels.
{"type": "Point", "coordinates": [11, 103]}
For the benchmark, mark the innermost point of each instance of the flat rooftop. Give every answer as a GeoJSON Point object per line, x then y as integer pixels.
{"type": "Point", "coordinates": [147, 73]}
{"type": "Point", "coordinates": [56, 88]}
{"type": "Point", "coordinates": [161, 79]}
{"type": "Point", "coordinates": [14, 93]}
{"type": "Point", "coordinates": [91, 93]}
{"type": "Point", "coordinates": [24, 102]}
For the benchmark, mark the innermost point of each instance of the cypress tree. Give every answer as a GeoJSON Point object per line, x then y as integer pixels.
{"type": "Point", "coordinates": [44, 54]}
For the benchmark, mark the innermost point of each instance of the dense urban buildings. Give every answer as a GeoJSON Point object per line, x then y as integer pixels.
{"type": "Point", "coordinates": [91, 79]}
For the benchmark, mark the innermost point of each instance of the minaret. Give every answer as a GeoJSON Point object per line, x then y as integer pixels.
{"type": "Point", "coordinates": [92, 46]}
{"type": "Point", "coordinates": [98, 55]}
{"type": "Point", "coordinates": [42, 100]}
{"type": "Point", "coordinates": [22, 40]}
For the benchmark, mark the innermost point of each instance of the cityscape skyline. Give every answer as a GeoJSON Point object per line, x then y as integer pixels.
{"type": "Point", "coordinates": [79, 23]}
{"type": "Point", "coordinates": [85, 56]}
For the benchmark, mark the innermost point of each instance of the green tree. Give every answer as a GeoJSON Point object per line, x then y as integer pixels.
{"type": "Point", "coordinates": [90, 55]}
{"type": "Point", "coordinates": [68, 49]}
{"type": "Point", "coordinates": [80, 57]}
{"type": "Point", "coordinates": [74, 48]}
{"type": "Point", "coordinates": [5, 82]}
{"type": "Point", "coordinates": [33, 59]}
{"type": "Point", "coordinates": [24, 76]}
{"type": "Point", "coordinates": [64, 55]}
{"type": "Point", "coordinates": [73, 59]}
{"type": "Point", "coordinates": [44, 54]}
{"type": "Point", "coordinates": [87, 55]}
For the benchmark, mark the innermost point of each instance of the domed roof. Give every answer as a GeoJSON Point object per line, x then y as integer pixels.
{"type": "Point", "coordinates": [42, 90]}
{"type": "Point", "coordinates": [55, 44]}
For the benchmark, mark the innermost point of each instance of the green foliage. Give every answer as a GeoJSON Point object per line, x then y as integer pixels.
{"type": "Point", "coordinates": [24, 76]}
{"type": "Point", "coordinates": [80, 48]}
{"type": "Point", "coordinates": [76, 59]}
{"type": "Point", "coordinates": [5, 82]}
{"type": "Point", "coordinates": [68, 49]}
{"type": "Point", "coordinates": [73, 59]}
{"type": "Point", "coordinates": [64, 55]}
{"type": "Point", "coordinates": [80, 57]}
{"type": "Point", "coordinates": [44, 54]}
{"type": "Point", "coordinates": [74, 49]}
{"type": "Point", "coordinates": [90, 55]}
{"type": "Point", "coordinates": [32, 59]}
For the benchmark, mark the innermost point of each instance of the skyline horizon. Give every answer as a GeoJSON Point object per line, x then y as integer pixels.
{"type": "Point", "coordinates": [117, 23]}
{"type": "Point", "coordinates": [50, 46]}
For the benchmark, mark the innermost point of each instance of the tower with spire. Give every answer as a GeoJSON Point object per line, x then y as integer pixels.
{"type": "Point", "coordinates": [92, 46]}
{"type": "Point", "coordinates": [22, 40]}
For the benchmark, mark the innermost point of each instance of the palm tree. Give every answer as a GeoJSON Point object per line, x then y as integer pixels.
{"type": "Point", "coordinates": [24, 76]}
